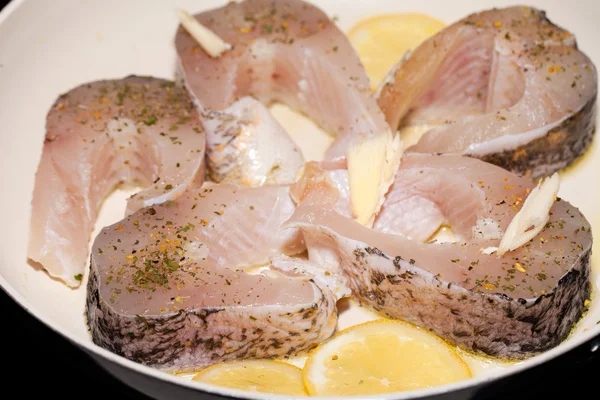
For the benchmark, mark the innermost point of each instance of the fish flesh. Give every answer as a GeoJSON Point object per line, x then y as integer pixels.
{"type": "Point", "coordinates": [287, 51]}
{"type": "Point", "coordinates": [170, 285]}
{"type": "Point", "coordinates": [324, 183]}
{"type": "Point", "coordinates": [247, 146]}
{"type": "Point", "coordinates": [419, 202]}
{"type": "Point", "coordinates": [504, 85]}
{"type": "Point", "coordinates": [136, 130]}
{"type": "Point", "coordinates": [513, 306]}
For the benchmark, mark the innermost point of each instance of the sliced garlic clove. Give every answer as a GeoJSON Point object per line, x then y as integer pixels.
{"type": "Point", "coordinates": [372, 166]}
{"type": "Point", "coordinates": [532, 217]}
{"type": "Point", "coordinates": [210, 41]}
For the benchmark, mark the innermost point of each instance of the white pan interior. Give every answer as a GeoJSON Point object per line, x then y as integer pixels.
{"type": "Point", "coordinates": [47, 48]}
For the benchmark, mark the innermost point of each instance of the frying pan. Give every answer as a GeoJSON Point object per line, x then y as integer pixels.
{"type": "Point", "coordinates": [47, 48]}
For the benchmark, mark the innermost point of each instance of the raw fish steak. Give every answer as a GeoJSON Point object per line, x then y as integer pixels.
{"type": "Point", "coordinates": [504, 85]}
{"type": "Point", "coordinates": [283, 51]}
{"type": "Point", "coordinates": [169, 285]}
{"type": "Point", "coordinates": [510, 306]}
{"type": "Point", "coordinates": [137, 130]}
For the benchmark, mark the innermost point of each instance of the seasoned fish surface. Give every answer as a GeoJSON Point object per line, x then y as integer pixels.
{"type": "Point", "coordinates": [512, 306]}
{"type": "Point", "coordinates": [285, 51]}
{"type": "Point", "coordinates": [168, 289]}
{"type": "Point", "coordinates": [421, 200]}
{"type": "Point", "coordinates": [137, 130]}
{"type": "Point", "coordinates": [504, 85]}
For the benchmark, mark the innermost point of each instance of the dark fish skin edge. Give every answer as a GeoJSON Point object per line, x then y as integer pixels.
{"type": "Point", "coordinates": [159, 341]}
{"type": "Point", "coordinates": [558, 149]}
{"type": "Point", "coordinates": [492, 324]}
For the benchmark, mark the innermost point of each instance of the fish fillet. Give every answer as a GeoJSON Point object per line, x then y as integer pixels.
{"type": "Point", "coordinates": [504, 85]}
{"type": "Point", "coordinates": [137, 130]}
{"type": "Point", "coordinates": [420, 201]}
{"type": "Point", "coordinates": [287, 51]}
{"type": "Point", "coordinates": [513, 306]}
{"type": "Point", "coordinates": [168, 286]}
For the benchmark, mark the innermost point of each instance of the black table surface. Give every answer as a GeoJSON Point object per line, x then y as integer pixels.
{"type": "Point", "coordinates": [54, 366]}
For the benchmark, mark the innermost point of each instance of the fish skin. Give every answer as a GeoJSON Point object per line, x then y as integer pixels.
{"type": "Point", "coordinates": [504, 85]}
{"type": "Point", "coordinates": [480, 302]}
{"type": "Point", "coordinates": [205, 309]}
{"type": "Point", "coordinates": [554, 151]}
{"type": "Point", "coordinates": [189, 339]}
{"type": "Point", "coordinates": [99, 135]}
{"type": "Point", "coordinates": [287, 51]}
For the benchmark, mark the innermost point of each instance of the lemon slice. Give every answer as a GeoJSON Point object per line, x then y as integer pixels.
{"type": "Point", "coordinates": [256, 376]}
{"type": "Point", "coordinates": [381, 41]}
{"type": "Point", "coordinates": [380, 357]}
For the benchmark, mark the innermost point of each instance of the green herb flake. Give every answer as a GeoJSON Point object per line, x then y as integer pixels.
{"type": "Point", "coordinates": [183, 120]}
{"type": "Point", "coordinates": [121, 95]}
{"type": "Point", "coordinates": [541, 276]}
{"type": "Point", "coordinates": [151, 120]}
{"type": "Point", "coordinates": [172, 264]}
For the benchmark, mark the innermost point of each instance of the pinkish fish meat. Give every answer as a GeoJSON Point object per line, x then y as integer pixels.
{"type": "Point", "coordinates": [287, 51]}
{"type": "Point", "coordinates": [137, 130]}
{"type": "Point", "coordinates": [512, 306]}
{"type": "Point", "coordinates": [324, 183]}
{"type": "Point", "coordinates": [168, 286]}
{"type": "Point", "coordinates": [419, 202]}
{"type": "Point", "coordinates": [504, 85]}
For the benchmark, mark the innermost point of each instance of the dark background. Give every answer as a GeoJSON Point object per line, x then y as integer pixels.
{"type": "Point", "coordinates": [51, 366]}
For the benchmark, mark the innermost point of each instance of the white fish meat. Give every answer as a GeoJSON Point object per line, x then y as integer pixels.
{"type": "Point", "coordinates": [287, 51]}
{"type": "Point", "coordinates": [512, 306]}
{"type": "Point", "coordinates": [168, 286]}
{"type": "Point", "coordinates": [137, 130]}
{"type": "Point", "coordinates": [504, 85]}
{"type": "Point", "coordinates": [247, 146]}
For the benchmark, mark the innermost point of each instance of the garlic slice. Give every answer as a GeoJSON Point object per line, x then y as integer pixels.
{"type": "Point", "coordinates": [372, 166]}
{"type": "Point", "coordinates": [532, 217]}
{"type": "Point", "coordinates": [489, 250]}
{"type": "Point", "coordinates": [210, 42]}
